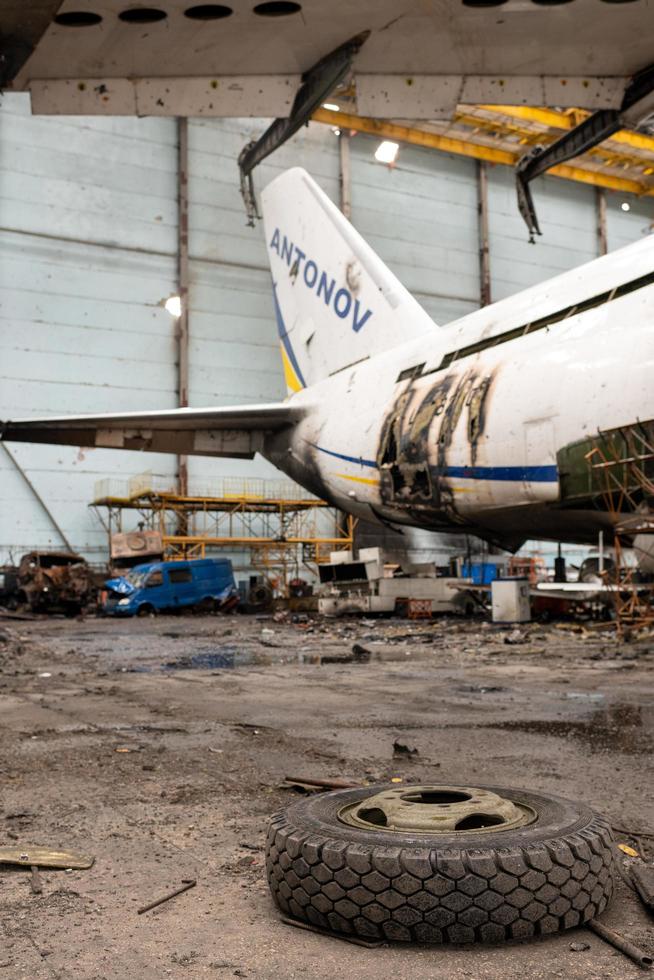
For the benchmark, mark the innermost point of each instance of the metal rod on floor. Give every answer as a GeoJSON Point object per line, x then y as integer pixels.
{"type": "Point", "coordinates": [165, 898]}
{"type": "Point", "coordinates": [619, 942]}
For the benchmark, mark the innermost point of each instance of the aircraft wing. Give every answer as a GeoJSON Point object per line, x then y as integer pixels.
{"type": "Point", "coordinates": [182, 59]}
{"type": "Point", "coordinates": [236, 431]}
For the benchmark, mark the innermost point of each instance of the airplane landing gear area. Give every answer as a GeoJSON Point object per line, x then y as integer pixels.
{"type": "Point", "coordinates": [440, 864]}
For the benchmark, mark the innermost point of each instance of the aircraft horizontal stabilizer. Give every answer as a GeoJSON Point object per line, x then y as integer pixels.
{"type": "Point", "coordinates": [235, 431]}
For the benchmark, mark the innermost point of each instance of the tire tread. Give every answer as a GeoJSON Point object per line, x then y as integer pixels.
{"type": "Point", "coordinates": [486, 895]}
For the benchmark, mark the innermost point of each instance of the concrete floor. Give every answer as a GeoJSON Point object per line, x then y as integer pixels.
{"type": "Point", "coordinates": [166, 774]}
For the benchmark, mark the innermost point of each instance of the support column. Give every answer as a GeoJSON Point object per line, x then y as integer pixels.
{"type": "Point", "coordinates": [600, 198]}
{"type": "Point", "coordinates": [183, 288]}
{"type": "Point", "coordinates": [344, 176]}
{"type": "Point", "coordinates": [484, 252]}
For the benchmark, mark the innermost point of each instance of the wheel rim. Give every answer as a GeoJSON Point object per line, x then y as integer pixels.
{"type": "Point", "coordinates": [437, 810]}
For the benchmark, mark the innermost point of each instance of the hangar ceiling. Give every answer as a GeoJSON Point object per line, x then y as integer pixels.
{"type": "Point", "coordinates": [503, 134]}
{"type": "Point", "coordinates": [422, 58]}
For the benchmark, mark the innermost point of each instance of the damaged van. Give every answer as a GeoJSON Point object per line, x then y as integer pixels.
{"type": "Point", "coordinates": [206, 584]}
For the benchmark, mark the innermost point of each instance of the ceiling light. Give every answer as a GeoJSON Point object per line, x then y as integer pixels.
{"type": "Point", "coordinates": [174, 305]}
{"type": "Point", "coordinates": [386, 152]}
{"type": "Point", "coordinates": [625, 206]}
{"type": "Point", "coordinates": [331, 106]}
{"type": "Point", "coordinates": [336, 131]}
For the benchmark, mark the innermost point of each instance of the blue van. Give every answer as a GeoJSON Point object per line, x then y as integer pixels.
{"type": "Point", "coordinates": [207, 583]}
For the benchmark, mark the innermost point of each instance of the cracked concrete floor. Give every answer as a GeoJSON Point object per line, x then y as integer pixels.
{"type": "Point", "coordinates": [116, 744]}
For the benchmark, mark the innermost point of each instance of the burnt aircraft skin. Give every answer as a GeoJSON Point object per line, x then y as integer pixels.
{"type": "Point", "coordinates": [416, 436]}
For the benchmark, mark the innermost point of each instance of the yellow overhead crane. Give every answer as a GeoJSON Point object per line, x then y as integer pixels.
{"type": "Point", "coordinates": [502, 135]}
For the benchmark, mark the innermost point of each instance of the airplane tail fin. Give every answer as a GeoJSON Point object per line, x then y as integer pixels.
{"type": "Point", "coordinates": [336, 302]}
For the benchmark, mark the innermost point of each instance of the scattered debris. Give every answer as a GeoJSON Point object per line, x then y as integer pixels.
{"type": "Point", "coordinates": [634, 953]}
{"type": "Point", "coordinates": [186, 884]}
{"type": "Point", "coordinates": [308, 785]}
{"type": "Point", "coordinates": [35, 880]}
{"type": "Point", "coordinates": [636, 834]}
{"type": "Point", "coordinates": [515, 637]}
{"type": "Point", "coordinates": [361, 655]}
{"type": "Point", "coordinates": [629, 851]}
{"type": "Point", "coordinates": [400, 749]}
{"type": "Point", "coordinates": [579, 947]}
{"type": "Point", "coordinates": [481, 689]}
{"type": "Point", "coordinates": [44, 857]}
{"type": "Point", "coordinates": [267, 638]}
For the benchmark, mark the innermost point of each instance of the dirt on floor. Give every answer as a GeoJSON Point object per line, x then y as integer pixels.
{"type": "Point", "coordinates": [160, 746]}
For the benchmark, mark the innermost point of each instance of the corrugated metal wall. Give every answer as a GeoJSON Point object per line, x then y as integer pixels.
{"type": "Point", "coordinates": [88, 237]}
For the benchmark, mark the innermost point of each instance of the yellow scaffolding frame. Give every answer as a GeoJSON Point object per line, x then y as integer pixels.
{"type": "Point", "coordinates": [277, 522]}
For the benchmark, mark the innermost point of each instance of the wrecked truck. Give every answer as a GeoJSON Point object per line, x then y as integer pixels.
{"type": "Point", "coordinates": [204, 584]}
{"type": "Point", "coordinates": [54, 581]}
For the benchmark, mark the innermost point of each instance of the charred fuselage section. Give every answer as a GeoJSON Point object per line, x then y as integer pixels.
{"type": "Point", "coordinates": [417, 437]}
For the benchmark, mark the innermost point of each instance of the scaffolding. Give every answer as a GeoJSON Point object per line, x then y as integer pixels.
{"type": "Point", "coordinates": [621, 463]}
{"type": "Point", "coordinates": [282, 527]}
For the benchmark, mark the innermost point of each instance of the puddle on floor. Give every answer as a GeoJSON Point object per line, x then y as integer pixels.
{"type": "Point", "coordinates": [620, 727]}
{"type": "Point", "coordinates": [206, 658]}
{"type": "Point", "coordinates": [211, 658]}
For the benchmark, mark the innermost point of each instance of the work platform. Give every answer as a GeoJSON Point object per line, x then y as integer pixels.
{"type": "Point", "coordinates": [282, 527]}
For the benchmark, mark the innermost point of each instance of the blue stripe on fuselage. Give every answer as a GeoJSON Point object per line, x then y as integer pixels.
{"type": "Point", "coordinates": [348, 459]}
{"type": "Point", "coordinates": [516, 474]}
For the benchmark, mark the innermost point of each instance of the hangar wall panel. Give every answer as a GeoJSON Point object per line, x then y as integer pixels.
{"type": "Point", "coordinates": [87, 254]}
{"type": "Point", "coordinates": [420, 215]}
{"type": "Point", "coordinates": [88, 238]}
{"type": "Point", "coordinates": [624, 227]}
{"type": "Point", "coordinates": [234, 353]}
{"type": "Point", "coordinates": [568, 220]}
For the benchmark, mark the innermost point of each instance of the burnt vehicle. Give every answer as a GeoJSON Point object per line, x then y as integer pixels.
{"type": "Point", "coordinates": [55, 581]}
{"type": "Point", "coordinates": [8, 586]}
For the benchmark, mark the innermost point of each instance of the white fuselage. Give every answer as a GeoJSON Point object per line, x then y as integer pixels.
{"type": "Point", "coordinates": [474, 443]}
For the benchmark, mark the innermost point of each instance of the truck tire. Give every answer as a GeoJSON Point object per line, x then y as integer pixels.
{"type": "Point", "coordinates": [481, 885]}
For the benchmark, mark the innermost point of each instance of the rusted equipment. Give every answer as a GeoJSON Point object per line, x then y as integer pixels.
{"type": "Point", "coordinates": [186, 884]}
{"type": "Point", "coordinates": [531, 567]}
{"type": "Point", "coordinates": [634, 953]}
{"type": "Point", "coordinates": [419, 608]}
{"type": "Point", "coordinates": [129, 548]}
{"type": "Point", "coordinates": [621, 480]}
{"type": "Point", "coordinates": [54, 580]}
